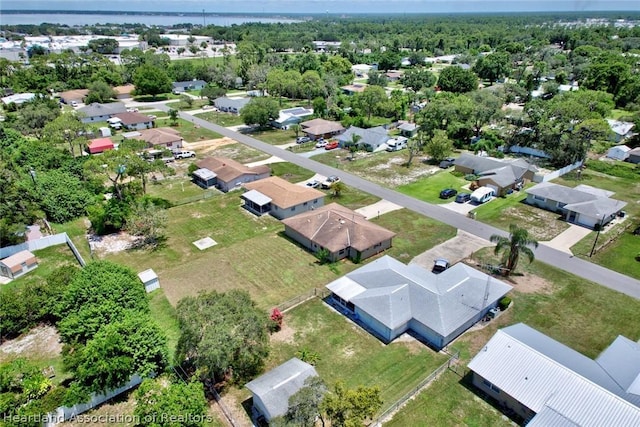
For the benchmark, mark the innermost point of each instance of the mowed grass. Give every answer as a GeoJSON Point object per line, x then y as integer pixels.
{"type": "Point", "coordinates": [428, 189]}
{"type": "Point", "coordinates": [349, 353]}
{"type": "Point", "coordinates": [222, 119]}
{"type": "Point", "coordinates": [290, 172]}
{"type": "Point", "coordinates": [415, 233]}
{"type": "Point", "coordinates": [274, 136]}
{"type": "Point", "coordinates": [240, 153]}
{"type": "Point", "coordinates": [176, 189]}
{"type": "Point", "coordinates": [188, 131]}
{"type": "Point", "coordinates": [164, 314]}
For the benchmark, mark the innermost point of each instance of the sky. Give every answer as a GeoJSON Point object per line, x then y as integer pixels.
{"type": "Point", "coordinates": [325, 6]}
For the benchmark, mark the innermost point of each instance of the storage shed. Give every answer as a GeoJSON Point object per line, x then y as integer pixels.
{"type": "Point", "coordinates": [149, 279]}
{"type": "Point", "coordinates": [18, 264]}
{"type": "Point", "coordinates": [100, 145]}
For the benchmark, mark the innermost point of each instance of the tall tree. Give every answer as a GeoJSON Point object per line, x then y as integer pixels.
{"type": "Point", "coordinates": [305, 404]}
{"type": "Point", "coordinates": [150, 80]}
{"type": "Point", "coordinates": [370, 99]}
{"type": "Point", "coordinates": [439, 146]}
{"type": "Point", "coordinates": [513, 246]}
{"type": "Point", "coordinates": [100, 91]}
{"type": "Point", "coordinates": [351, 407]}
{"type": "Point", "coordinates": [260, 111]}
{"type": "Point", "coordinates": [455, 79]}
{"type": "Point", "coordinates": [493, 67]}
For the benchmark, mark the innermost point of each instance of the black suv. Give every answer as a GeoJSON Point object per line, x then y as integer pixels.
{"type": "Point", "coordinates": [448, 193]}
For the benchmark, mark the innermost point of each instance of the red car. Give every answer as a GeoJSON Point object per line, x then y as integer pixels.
{"type": "Point", "coordinates": [331, 145]}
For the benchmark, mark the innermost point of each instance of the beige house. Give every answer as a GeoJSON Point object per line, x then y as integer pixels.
{"type": "Point", "coordinates": [343, 232]}
{"type": "Point", "coordinates": [161, 138]}
{"type": "Point", "coordinates": [280, 198]}
{"type": "Point", "coordinates": [321, 128]}
{"type": "Point", "coordinates": [18, 264]}
{"type": "Point", "coordinates": [230, 174]}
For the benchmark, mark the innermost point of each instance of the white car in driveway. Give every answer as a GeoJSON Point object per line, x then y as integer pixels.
{"type": "Point", "coordinates": [184, 154]}
{"type": "Point", "coordinates": [321, 143]}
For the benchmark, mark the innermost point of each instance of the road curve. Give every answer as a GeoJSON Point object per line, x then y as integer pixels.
{"type": "Point", "coordinates": [577, 266]}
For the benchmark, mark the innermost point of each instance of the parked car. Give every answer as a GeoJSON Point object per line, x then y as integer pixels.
{"type": "Point", "coordinates": [132, 110]}
{"type": "Point", "coordinates": [152, 117]}
{"type": "Point", "coordinates": [447, 163]}
{"type": "Point", "coordinates": [463, 198]}
{"type": "Point", "coordinates": [448, 193]}
{"type": "Point", "coordinates": [183, 154]}
{"type": "Point", "coordinates": [332, 145]}
{"type": "Point", "coordinates": [74, 104]}
{"type": "Point", "coordinates": [302, 139]}
{"type": "Point", "coordinates": [440, 265]}
{"type": "Point", "coordinates": [313, 184]}
{"type": "Point", "coordinates": [321, 143]}
{"type": "Point", "coordinates": [330, 181]}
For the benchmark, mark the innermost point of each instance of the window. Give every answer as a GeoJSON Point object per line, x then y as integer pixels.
{"type": "Point", "coordinates": [293, 209]}
{"type": "Point", "coordinates": [341, 251]}
{"type": "Point", "coordinates": [315, 201]}
{"type": "Point", "coordinates": [542, 199]}
{"type": "Point", "coordinates": [305, 203]}
{"type": "Point", "coordinates": [491, 386]}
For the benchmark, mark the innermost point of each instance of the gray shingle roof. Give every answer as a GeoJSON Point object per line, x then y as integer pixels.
{"type": "Point", "coordinates": [276, 386]}
{"type": "Point", "coordinates": [504, 173]}
{"type": "Point", "coordinates": [583, 199]}
{"type": "Point", "coordinates": [394, 293]}
{"type": "Point", "coordinates": [96, 110]}
{"type": "Point", "coordinates": [373, 136]}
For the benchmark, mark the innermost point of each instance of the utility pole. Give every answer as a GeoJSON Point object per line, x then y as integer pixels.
{"type": "Point", "coordinates": [595, 242]}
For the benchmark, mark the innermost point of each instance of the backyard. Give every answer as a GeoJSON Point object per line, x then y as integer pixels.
{"type": "Point", "coordinates": [222, 119]}
{"type": "Point", "coordinates": [189, 131]}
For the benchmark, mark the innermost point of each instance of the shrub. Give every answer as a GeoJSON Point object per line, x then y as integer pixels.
{"type": "Point", "coordinates": [504, 303]}
{"type": "Point", "coordinates": [276, 320]}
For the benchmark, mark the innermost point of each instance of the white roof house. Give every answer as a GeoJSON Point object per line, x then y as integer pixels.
{"type": "Point", "coordinates": [271, 391]}
{"type": "Point", "coordinates": [391, 298]}
{"type": "Point", "coordinates": [620, 130]}
{"type": "Point", "coordinates": [291, 116]}
{"type": "Point", "coordinates": [619, 152]}
{"type": "Point", "coordinates": [18, 98]}
{"type": "Point", "coordinates": [551, 384]}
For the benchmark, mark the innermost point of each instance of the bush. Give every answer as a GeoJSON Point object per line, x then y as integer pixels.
{"type": "Point", "coordinates": [620, 170]}
{"type": "Point", "coordinates": [504, 303]}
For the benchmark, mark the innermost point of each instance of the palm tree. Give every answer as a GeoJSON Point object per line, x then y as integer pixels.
{"type": "Point", "coordinates": [353, 144]}
{"type": "Point", "coordinates": [518, 242]}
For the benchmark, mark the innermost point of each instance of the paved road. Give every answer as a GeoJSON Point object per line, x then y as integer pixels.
{"type": "Point", "coordinates": [549, 255]}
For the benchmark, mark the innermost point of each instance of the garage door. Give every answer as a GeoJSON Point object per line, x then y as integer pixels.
{"type": "Point", "coordinates": [493, 187]}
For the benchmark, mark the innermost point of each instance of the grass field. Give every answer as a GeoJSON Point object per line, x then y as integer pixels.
{"type": "Point", "coordinates": [240, 153]}
{"type": "Point", "coordinates": [274, 136]}
{"type": "Point", "coordinates": [176, 189]}
{"type": "Point", "coordinates": [349, 353]}
{"type": "Point", "coordinates": [189, 131]}
{"type": "Point", "coordinates": [222, 119]}
{"type": "Point", "coordinates": [165, 316]}
{"type": "Point", "coordinates": [428, 188]}
{"type": "Point", "coordinates": [290, 171]}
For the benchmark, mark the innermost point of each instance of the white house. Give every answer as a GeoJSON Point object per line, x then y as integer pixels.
{"type": "Point", "coordinates": [291, 116]}
{"type": "Point", "coordinates": [619, 152]}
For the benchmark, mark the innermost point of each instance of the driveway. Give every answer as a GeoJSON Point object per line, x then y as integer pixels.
{"type": "Point", "coordinates": [453, 250]}
{"type": "Point", "coordinates": [461, 208]}
{"type": "Point", "coordinates": [568, 238]}
{"type": "Point", "coordinates": [313, 152]}
{"type": "Point", "coordinates": [378, 208]}
{"type": "Point", "coordinates": [272, 159]}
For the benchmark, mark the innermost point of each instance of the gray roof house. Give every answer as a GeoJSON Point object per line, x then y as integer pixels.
{"type": "Point", "coordinates": [100, 112]}
{"type": "Point", "coordinates": [231, 105]}
{"type": "Point", "coordinates": [496, 174]}
{"type": "Point", "coordinates": [620, 130]}
{"type": "Point", "coordinates": [583, 205]}
{"type": "Point", "coordinates": [371, 138]}
{"type": "Point", "coordinates": [549, 384]}
{"type": "Point", "coordinates": [271, 391]}
{"type": "Point", "coordinates": [179, 87]}
{"type": "Point", "coordinates": [408, 130]}
{"type": "Point", "coordinates": [389, 298]}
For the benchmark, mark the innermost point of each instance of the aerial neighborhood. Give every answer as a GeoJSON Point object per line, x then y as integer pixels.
{"type": "Point", "coordinates": [419, 220]}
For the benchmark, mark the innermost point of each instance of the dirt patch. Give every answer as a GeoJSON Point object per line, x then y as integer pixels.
{"type": "Point", "coordinates": [285, 334]}
{"type": "Point", "coordinates": [208, 145]}
{"type": "Point", "coordinates": [42, 342]}
{"type": "Point", "coordinates": [111, 243]}
{"type": "Point", "coordinates": [541, 224]}
{"type": "Point", "coordinates": [348, 351]}
{"type": "Point", "coordinates": [529, 284]}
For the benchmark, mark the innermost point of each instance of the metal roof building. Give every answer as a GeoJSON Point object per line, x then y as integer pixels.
{"type": "Point", "coordinates": [548, 383]}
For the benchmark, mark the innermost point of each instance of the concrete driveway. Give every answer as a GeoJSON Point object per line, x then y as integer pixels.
{"type": "Point", "coordinates": [378, 208]}
{"type": "Point", "coordinates": [461, 208]}
{"type": "Point", "coordinates": [568, 238]}
{"type": "Point", "coordinates": [453, 250]}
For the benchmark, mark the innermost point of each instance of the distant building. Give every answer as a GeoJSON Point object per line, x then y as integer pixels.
{"type": "Point", "coordinates": [161, 138]}
{"type": "Point", "coordinates": [620, 130]}
{"type": "Point", "coordinates": [18, 98]}
{"type": "Point", "coordinates": [100, 112]}
{"type": "Point", "coordinates": [280, 198]}
{"type": "Point", "coordinates": [76, 95]}
{"type": "Point", "coordinates": [325, 46]}
{"type": "Point", "coordinates": [619, 152]}
{"type": "Point", "coordinates": [180, 87]}
{"type": "Point", "coordinates": [231, 105]}
{"type": "Point", "coordinates": [291, 116]}
{"type": "Point", "coordinates": [99, 145]}
{"type": "Point", "coordinates": [372, 139]}
{"type": "Point", "coordinates": [321, 128]}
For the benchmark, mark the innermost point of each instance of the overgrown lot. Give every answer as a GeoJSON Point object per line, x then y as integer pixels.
{"type": "Point", "coordinates": [189, 131]}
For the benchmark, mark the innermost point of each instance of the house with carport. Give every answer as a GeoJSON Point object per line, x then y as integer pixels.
{"type": "Point", "coordinates": [272, 390]}
{"type": "Point", "coordinates": [231, 104]}
{"type": "Point", "coordinates": [547, 383]}
{"type": "Point", "coordinates": [280, 198]}
{"type": "Point", "coordinates": [161, 138]}
{"type": "Point", "coordinates": [583, 205]}
{"type": "Point", "coordinates": [371, 139]}
{"type": "Point", "coordinates": [18, 264]}
{"type": "Point", "coordinates": [499, 175]}
{"type": "Point", "coordinates": [390, 298]}
{"type": "Point", "coordinates": [230, 174]}
{"type": "Point", "coordinates": [342, 232]}
{"type": "Point", "coordinates": [97, 112]}
{"type": "Point", "coordinates": [321, 128]}
{"type": "Point", "coordinates": [134, 121]}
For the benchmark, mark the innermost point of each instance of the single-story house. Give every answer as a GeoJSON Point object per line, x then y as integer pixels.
{"type": "Point", "coordinates": [179, 87]}
{"type": "Point", "coordinates": [499, 175]}
{"type": "Point", "coordinates": [634, 156]}
{"type": "Point", "coordinates": [408, 130]}
{"type": "Point", "coordinates": [280, 198]}
{"type": "Point", "coordinates": [619, 152]}
{"type": "Point", "coordinates": [18, 264]}
{"type": "Point", "coordinates": [100, 112]}
{"type": "Point", "coordinates": [321, 128]}
{"type": "Point", "coordinates": [583, 205]}
{"type": "Point", "coordinates": [354, 88]}
{"type": "Point", "coordinates": [361, 70]}
{"type": "Point", "coordinates": [291, 116]}
{"type": "Point", "coordinates": [231, 174]}
{"type": "Point", "coordinates": [325, 46]}
{"type": "Point", "coordinates": [231, 105]}
{"type": "Point", "coordinates": [549, 384]}
{"type": "Point", "coordinates": [99, 145]}
{"type": "Point", "coordinates": [134, 121]}
{"type": "Point", "coordinates": [371, 138]}
{"type": "Point", "coordinates": [620, 130]}
{"type": "Point", "coordinates": [159, 138]}
{"type": "Point", "coordinates": [124, 92]}
{"type": "Point", "coordinates": [76, 95]}
{"type": "Point", "coordinates": [341, 231]}
{"type": "Point", "coordinates": [390, 298]}
{"type": "Point", "coordinates": [204, 178]}
{"type": "Point", "coordinates": [271, 391]}
{"type": "Point", "coordinates": [18, 98]}
{"type": "Point", "coordinates": [393, 75]}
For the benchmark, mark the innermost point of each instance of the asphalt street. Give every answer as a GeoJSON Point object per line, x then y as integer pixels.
{"type": "Point", "coordinates": [549, 255]}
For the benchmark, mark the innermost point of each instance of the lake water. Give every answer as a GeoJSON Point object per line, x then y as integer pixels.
{"type": "Point", "coordinates": [73, 19]}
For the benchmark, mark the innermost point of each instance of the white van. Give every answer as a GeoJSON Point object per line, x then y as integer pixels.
{"type": "Point", "coordinates": [396, 144]}
{"type": "Point", "coordinates": [482, 195]}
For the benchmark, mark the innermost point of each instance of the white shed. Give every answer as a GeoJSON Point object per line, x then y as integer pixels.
{"type": "Point", "coordinates": [149, 279]}
{"type": "Point", "coordinates": [619, 152]}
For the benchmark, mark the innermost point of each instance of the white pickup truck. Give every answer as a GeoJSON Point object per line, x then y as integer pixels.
{"type": "Point", "coordinates": [183, 154]}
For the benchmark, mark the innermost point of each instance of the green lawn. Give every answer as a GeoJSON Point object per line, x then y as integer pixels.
{"type": "Point", "coordinates": [189, 131]}
{"type": "Point", "coordinates": [617, 114]}
{"type": "Point", "coordinates": [428, 188]}
{"type": "Point", "coordinates": [351, 197]}
{"type": "Point", "coordinates": [349, 353]}
{"type": "Point", "coordinates": [290, 171]}
{"type": "Point", "coordinates": [618, 255]}
{"type": "Point", "coordinates": [240, 153]}
{"type": "Point", "coordinates": [177, 189]}
{"type": "Point", "coordinates": [165, 316]}
{"type": "Point", "coordinates": [274, 136]}
{"type": "Point", "coordinates": [415, 233]}
{"type": "Point", "coordinates": [222, 119]}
